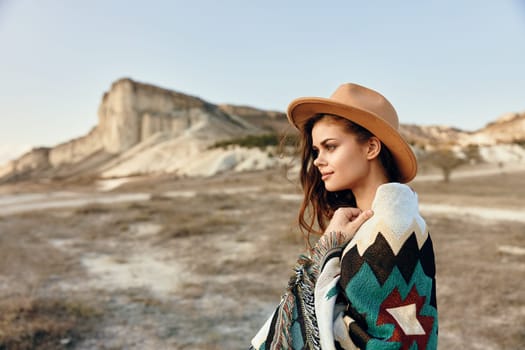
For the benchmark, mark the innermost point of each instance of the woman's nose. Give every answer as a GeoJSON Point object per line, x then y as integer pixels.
{"type": "Point", "coordinates": [318, 161]}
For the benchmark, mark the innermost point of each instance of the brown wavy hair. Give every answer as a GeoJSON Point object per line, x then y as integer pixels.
{"type": "Point", "coordinates": [318, 204]}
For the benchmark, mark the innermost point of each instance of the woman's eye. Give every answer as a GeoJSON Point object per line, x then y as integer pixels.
{"type": "Point", "coordinates": [330, 147]}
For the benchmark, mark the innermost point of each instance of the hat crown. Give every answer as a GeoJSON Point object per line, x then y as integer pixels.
{"type": "Point", "coordinates": [360, 97]}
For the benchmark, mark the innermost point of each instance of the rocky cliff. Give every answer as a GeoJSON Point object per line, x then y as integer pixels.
{"type": "Point", "coordinates": [421, 136]}
{"type": "Point", "coordinates": [508, 129]}
{"type": "Point", "coordinates": [130, 114]}
{"type": "Point", "coordinates": [35, 160]}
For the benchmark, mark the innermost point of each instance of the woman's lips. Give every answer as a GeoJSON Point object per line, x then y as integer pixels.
{"type": "Point", "coordinates": [325, 176]}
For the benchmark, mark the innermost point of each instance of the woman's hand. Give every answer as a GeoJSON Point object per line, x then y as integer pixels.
{"type": "Point", "coordinates": [348, 221]}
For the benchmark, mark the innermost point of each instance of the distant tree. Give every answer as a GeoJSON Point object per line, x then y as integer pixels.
{"type": "Point", "coordinates": [250, 141]}
{"type": "Point", "coordinates": [472, 154]}
{"type": "Point", "coordinates": [445, 159]}
{"type": "Point", "coordinates": [261, 141]}
{"type": "Point", "coordinates": [519, 142]}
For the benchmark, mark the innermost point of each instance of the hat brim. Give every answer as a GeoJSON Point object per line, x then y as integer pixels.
{"type": "Point", "coordinates": [302, 109]}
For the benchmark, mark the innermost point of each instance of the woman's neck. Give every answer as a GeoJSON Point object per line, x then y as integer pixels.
{"type": "Point", "coordinates": [365, 194]}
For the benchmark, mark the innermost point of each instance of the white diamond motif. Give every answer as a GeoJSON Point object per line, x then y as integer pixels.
{"type": "Point", "coordinates": [406, 317]}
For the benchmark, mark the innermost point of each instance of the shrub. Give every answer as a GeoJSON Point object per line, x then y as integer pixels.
{"type": "Point", "coordinates": [519, 142]}
{"type": "Point", "coordinates": [258, 141]}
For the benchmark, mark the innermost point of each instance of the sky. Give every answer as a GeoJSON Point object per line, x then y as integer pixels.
{"type": "Point", "coordinates": [457, 63]}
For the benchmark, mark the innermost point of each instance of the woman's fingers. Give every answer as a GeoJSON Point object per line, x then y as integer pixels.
{"type": "Point", "coordinates": [361, 218]}
{"type": "Point", "coordinates": [354, 225]}
{"type": "Point", "coordinates": [349, 212]}
{"type": "Point", "coordinates": [348, 220]}
{"type": "Point", "coordinates": [353, 214]}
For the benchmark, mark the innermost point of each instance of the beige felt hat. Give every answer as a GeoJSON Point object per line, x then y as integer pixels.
{"type": "Point", "coordinates": [365, 107]}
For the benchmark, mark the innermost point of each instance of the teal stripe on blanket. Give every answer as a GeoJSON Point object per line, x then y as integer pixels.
{"type": "Point", "coordinates": [332, 292]}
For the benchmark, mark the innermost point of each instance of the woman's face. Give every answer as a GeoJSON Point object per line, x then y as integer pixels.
{"type": "Point", "coordinates": [339, 157]}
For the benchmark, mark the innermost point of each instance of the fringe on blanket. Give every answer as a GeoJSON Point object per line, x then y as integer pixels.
{"type": "Point", "coordinates": [300, 293]}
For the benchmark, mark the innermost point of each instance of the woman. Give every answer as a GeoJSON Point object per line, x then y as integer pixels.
{"type": "Point", "coordinates": [369, 282]}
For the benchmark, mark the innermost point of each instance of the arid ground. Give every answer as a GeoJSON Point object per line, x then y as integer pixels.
{"type": "Point", "coordinates": [170, 263]}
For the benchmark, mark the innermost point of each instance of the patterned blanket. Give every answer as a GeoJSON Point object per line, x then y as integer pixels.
{"type": "Point", "coordinates": [375, 292]}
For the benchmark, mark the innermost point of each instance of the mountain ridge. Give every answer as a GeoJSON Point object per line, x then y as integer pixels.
{"type": "Point", "coordinates": [143, 129]}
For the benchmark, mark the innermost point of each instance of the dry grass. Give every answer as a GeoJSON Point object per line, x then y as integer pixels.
{"type": "Point", "coordinates": [500, 191]}
{"type": "Point", "coordinates": [480, 297]}
{"type": "Point", "coordinates": [27, 323]}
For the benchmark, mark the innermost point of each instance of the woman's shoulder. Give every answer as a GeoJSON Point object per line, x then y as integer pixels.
{"type": "Point", "coordinates": [396, 218]}
{"type": "Point", "coordinates": [395, 198]}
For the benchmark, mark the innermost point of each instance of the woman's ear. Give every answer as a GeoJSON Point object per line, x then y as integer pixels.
{"type": "Point", "coordinates": [374, 147]}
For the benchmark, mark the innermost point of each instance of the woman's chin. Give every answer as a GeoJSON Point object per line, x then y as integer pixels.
{"type": "Point", "coordinates": [332, 188]}
{"type": "Point", "coordinates": [335, 187]}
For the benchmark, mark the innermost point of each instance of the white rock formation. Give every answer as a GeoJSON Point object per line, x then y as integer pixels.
{"type": "Point", "coordinates": [146, 128]}
{"type": "Point", "coordinates": [76, 150]}
{"type": "Point", "coordinates": [131, 112]}
{"type": "Point", "coordinates": [502, 154]}
{"type": "Point", "coordinates": [36, 159]}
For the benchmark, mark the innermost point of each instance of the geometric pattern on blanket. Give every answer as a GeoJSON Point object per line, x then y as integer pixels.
{"type": "Point", "coordinates": [404, 283]}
